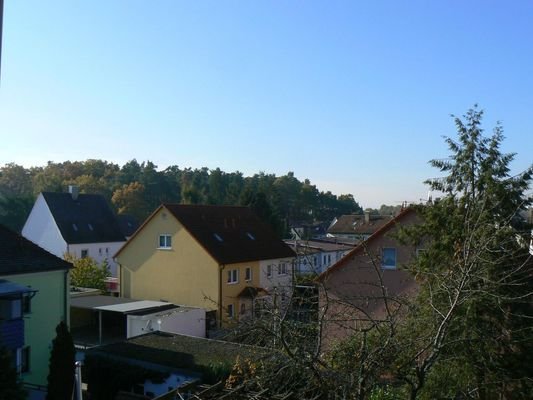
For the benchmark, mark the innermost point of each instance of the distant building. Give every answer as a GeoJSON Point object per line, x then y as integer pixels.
{"type": "Point", "coordinates": [34, 299]}
{"type": "Point", "coordinates": [316, 256]}
{"type": "Point", "coordinates": [357, 227]}
{"type": "Point", "coordinates": [82, 225]}
{"type": "Point", "coordinates": [353, 286]}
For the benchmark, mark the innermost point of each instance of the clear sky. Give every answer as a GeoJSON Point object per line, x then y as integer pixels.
{"type": "Point", "coordinates": [354, 95]}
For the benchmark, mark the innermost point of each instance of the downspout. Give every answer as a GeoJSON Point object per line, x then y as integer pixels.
{"type": "Point", "coordinates": [220, 295]}
{"type": "Point", "coordinates": [67, 297]}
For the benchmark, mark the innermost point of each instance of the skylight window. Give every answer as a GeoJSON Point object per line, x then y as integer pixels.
{"type": "Point", "coordinates": [218, 237]}
{"type": "Point", "coordinates": [75, 227]}
{"type": "Point", "coordinates": [250, 236]}
{"type": "Point", "coordinates": [90, 227]}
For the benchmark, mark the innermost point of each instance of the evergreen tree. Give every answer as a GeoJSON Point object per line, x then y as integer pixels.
{"type": "Point", "coordinates": [61, 367]}
{"type": "Point", "coordinates": [10, 385]}
{"type": "Point", "coordinates": [470, 331]}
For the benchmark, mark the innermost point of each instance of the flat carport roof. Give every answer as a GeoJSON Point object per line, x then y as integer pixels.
{"type": "Point", "coordinates": [117, 304]}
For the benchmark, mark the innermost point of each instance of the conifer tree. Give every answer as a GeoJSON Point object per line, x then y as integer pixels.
{"type": "Point", "coordinates": [470, 331]}
{"type": "Point", "coordinates": [61, 367]}
{"type": "Point", "coordinates": [10, 385]}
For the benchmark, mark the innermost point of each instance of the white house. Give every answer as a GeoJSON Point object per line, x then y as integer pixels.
{"type": "Point", "coordinates": [316, 256]}
{"type": "Point", "coordinates": [82, 225]}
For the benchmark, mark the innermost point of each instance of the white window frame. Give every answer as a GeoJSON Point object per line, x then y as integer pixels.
{"type": "Point", "coordinates": [282, 268]}
{"type": "Point", "coordinates": [167, 241]}
{"type": "Point", "coordinates": [86, 253]}
{"type": "Point", "coordinates": [248, 274]}
{"type": "Point", "coordinates": [233, 276]}
{"type": "Point", "coordinates": [385, 265]}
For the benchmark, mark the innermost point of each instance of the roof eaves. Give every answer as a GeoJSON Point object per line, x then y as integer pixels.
{"type": "Point", "coordinates": [139, 229]}
{"type": "Point", "coordinates": [364, 244]}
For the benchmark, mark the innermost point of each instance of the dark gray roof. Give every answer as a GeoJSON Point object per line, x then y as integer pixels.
{"type": "Point", "coordinates": [359, 224]}
{"type": "Point", "coordinates": [88, 219]}
{"type": "Point", "coordinates": [230, 234]}
{"type": "Point", "coordinates": [19, 256]}
{"type": "Point", "coordinates": [128, 224]}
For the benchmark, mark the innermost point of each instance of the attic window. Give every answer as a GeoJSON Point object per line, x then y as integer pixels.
{"type": "Point", "coordinates": [250, 236]}
{"type": "Point", "coordinates": [90, 227]}
{"type": "Point", "coordinates": [75, 227]}
{"type": "Point", "coordinates": [218, 237]}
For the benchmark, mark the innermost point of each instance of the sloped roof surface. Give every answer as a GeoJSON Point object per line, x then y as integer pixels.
{"type": "Point", "coordinates": [230, 234]}
{"type": "Point", "coordinates": [128, 224]}
{"type": "Point", "coordinates": [384, 228]}
{"type": "Point", "coordinates": [18, 255]}
{"type": "Point", "coordinates": [88, 219]}
{"type": "Point", "coordinates": [356, 224]}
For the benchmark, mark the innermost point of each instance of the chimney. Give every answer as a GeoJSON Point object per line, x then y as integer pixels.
{"type": "Point", "coordinates": [367, 216]}
{"type": "Point", "coordinates": [74, 191]}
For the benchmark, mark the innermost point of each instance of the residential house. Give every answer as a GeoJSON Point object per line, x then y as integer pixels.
{"type": "Point", "coordinates": [357, 227]}
{"type": "Point", "coordinates": [82, 225]}
{"type": "Point", "coordinates": [221, 258]}
{"type": "Point", "coordinates": [34, 299]}
{"type": "Point", "coordinates": [316, 256]}
{"type": "Point", "coordinates": [356, 284]}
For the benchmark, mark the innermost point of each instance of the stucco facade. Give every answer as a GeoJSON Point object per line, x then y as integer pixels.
{"type": "Point", "coordinates": [353, 285]}
{"type": "Point", "coordinates": [183, 270]}
{"type": "Point", "coordinates": [183, 274]}
{"type": "Point", "coordinates": [49, 307]}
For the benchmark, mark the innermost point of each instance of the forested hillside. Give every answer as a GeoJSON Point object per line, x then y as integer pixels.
{"type": "Point", "coordinates": [138, 188]}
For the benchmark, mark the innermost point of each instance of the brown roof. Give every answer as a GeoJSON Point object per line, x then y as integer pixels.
{"type": "Point", "coordinates": [357, 224]}
{"type": "Point", "coordinates": [230, 234]}
{"type": "Point", "coordinates": [383, 229]}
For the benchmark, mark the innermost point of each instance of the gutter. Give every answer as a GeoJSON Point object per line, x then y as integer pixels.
{"type": "Point", "coordinates": [220, 295]}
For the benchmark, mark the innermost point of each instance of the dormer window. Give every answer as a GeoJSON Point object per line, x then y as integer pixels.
{"type": "Point", "coordinates": [90, 227]}
{"type": "Point", "coordinates": [75, 227]}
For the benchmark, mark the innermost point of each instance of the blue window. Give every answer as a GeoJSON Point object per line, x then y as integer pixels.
{"type": "Point", "coordinates": [388, 259]}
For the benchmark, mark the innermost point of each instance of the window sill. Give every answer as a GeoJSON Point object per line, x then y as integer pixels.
{"type": "Point", "coordinates": [164, 248]}
{"type": "Point", "coordinates": [388, 267]}
{"type": "Point", "coordinates": [232, 283]}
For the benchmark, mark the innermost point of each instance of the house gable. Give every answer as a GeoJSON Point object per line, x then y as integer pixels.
{"type": "Point", "coordinates": [84, 219]}
{"type": "Point", "coordinates": [182, 273]}
{"type": "Point", "coordinates": [40, 228]}
{"type": "Point", "coordinates": [353, 285]}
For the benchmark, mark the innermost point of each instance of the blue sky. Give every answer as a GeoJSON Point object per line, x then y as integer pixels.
{"type": "Point", "coordinates": [353, 95]}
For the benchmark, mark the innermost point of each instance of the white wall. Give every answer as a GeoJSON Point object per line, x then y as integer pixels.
{"type": "Point", "coordinates": [42, 230]}
{"type": "Point", "coordinates": [99, 252]}
{"type": "Point", "coordinates": [182, 320]}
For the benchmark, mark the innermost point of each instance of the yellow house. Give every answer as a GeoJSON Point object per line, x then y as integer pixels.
{"type": "Point", "coordinates": [220, 258]}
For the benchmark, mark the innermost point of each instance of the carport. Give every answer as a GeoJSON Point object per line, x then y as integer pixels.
{"type": "Point", "coordinates": [111, 316]}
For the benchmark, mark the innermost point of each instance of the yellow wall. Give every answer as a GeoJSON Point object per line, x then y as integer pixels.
{"type": "Point", "coordinates": [231, 290]}
{"type": "Point", "coordinates": [185, 274]}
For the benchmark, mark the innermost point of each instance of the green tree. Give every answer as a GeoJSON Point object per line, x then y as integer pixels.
{"type": "Point", "coordinates": [10, 385]}
{"type": "Point", "coordinates": [61, 367]}
{"type": "Point", "coordinates": [470, 331]}
{"type": "Point", "coordinates": [87, 273]}
{"type": "Point", "coordinates": [129, 199]}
